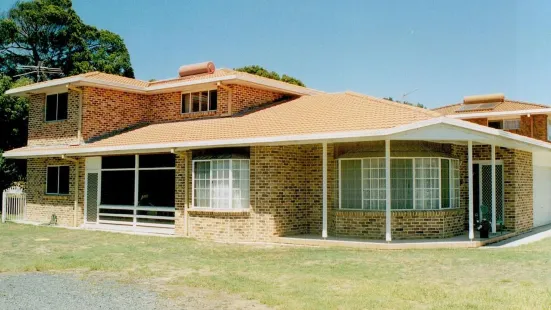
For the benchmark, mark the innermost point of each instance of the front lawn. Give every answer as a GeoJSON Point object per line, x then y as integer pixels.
{"type": "Point", "coordinates": [293, 277]}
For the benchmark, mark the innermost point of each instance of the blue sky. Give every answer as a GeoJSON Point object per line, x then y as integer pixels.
{"type": "Point", "coordinates": [446, 49]}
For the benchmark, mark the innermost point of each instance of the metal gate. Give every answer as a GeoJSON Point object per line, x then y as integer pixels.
{"type": "Point", "coordinates": [486, 190]}
{"type": "Point", "coordinates": [14, 204]}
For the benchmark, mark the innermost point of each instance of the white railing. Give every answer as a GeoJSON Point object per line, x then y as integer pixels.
{"type": "Point", "coordinates": [129, 215]}
{"type": "Point", "coordinates": [14, 204]}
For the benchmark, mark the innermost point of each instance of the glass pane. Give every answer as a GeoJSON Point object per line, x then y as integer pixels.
{"type": "Point", "coordinates": [114, 162]}
{"type": "Point", "coordinates": [351, 183]}
{"type": "Point", "coordinates": [64, 180]}
{"type": "Point", "coordinates": [195, 102]}
{"type": "Point", "coordinates": [157, 161]}
{"type": "Point", "coordinates": [401, 178]}
{"type": "Point", "coordinates": [117, 188]}
{"type": "Point", "coordinates": [157, 188]}
{"type": "Point", "coordinates": [62, 105]}
{"type": "Point", "coordinates": [52, 177]}
{"type": "Point", "coordinates": [213, 104]}
{"type": "Point", "coordinates": [185, 103]}
{"type": "Point", "coordinates": [202, 184]}
{"type": "Point", "coordinates": [445, 179]}
{"type": "Point", "coordinates": [204, 101]}
{"type": "Point", "coordinates": [51, 107]}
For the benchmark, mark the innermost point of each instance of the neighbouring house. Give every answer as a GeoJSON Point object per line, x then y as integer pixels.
{"type": "Point", "coordinates": [225, 155]}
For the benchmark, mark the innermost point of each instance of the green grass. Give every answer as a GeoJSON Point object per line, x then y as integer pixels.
{"type": "Point", "coordinates": [294, 277]}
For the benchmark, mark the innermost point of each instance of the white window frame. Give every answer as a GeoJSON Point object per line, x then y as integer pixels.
{"type": "Point", "coordinates": [56, 107]}
{"type": "Point", "coordinates": [210, 188]}
{"type": "Point", "coordinates": [511, 124]}
{"type": "Point", "coordinates": [58, 193]}
{"type": "Point", "coordinates": [414, 185]}
{"type": "Point", "coordinates": [191, 102]}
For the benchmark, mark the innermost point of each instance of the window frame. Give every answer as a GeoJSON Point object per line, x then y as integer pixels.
{"type": "Point", "coordinates": [548, 129]}
{"type": "Point", "coordinates": [509, 121]}
{"type": "Point", "coordinates": [190, 93]}
{"type": "Point", "coordinates": [56, 107]}
{"type": "Point", "coordinates": [230, 198]}
{"type": "Point", "coordinates": [68, 180]}
{"type": "Point", "coordinates": [450, 177]}
{"type": "Point", "coordinates": [136, 170]}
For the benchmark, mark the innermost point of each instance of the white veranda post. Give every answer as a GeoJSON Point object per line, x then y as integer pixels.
{"type": "Point", "coordinates": [324, 184]}
{"type": "Point", "coordinates": [470, 169]}
{"type": "Point", "coordinates": [493, 188]}
{"type": "Point", "coordinates": [388, 197]}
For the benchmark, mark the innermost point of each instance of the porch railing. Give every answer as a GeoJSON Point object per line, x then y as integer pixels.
{"type": "Point", "coordinates": [162, 217]}
{"type": "Point", "coordinates": [14, 204]}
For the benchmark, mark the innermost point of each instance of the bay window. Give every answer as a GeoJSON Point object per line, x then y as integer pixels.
{"type": "Point", "coordinates": [416, 183]}
{"type": "Point", "coordinates": [221, 184]}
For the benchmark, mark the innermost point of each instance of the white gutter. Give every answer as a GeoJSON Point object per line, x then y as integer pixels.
{"type": "Point", "coordinates": [289, 139]}
{"type": "Point", "coordinates": [501, 114]}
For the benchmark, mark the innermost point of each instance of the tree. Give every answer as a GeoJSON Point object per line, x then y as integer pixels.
{"type": "Point", "coordinates": [260, 71]}
{"type": "Point", "coordinates": [13, 126]}
{"type": "Point", "coordinates": [51, 31]}
{"type": "Point", "coordinates": [419, 105]}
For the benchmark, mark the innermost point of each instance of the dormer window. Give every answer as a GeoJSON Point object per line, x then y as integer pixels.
{"type": "Point", "coordinates": [56, 107]}
{"type": "Point", "coordinates": [199, 101]}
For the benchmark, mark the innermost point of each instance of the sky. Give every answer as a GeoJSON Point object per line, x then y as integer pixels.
{"type": "Point", "coordinates": [439, 51]}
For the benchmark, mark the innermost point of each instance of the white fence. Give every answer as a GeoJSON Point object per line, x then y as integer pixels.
{"type": "Point", "coordinates": [14, 204]}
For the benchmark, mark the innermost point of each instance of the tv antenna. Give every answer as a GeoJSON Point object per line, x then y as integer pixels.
{"type": "Point", "coordinates": [408, 93]}
{"type": "Point", "coordinates": [39, 70]}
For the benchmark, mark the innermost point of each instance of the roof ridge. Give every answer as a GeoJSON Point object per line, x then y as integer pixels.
{"type": "Point", "coordinates": [398, 104]}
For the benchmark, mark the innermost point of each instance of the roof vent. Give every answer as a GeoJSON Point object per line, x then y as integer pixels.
{"type": "Point", "coordinates": [484, 98]}
{"type": "Point", "coordinates": [204, 67]}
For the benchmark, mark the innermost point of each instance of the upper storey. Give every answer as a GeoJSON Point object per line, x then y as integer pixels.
{"type": "Point", "coordinates": [86, 107]}
{"type": "Point", "coordinates": [496, 111]}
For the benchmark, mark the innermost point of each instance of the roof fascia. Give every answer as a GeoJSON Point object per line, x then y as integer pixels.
{"type": "Point", "coordinates": [501, 138]}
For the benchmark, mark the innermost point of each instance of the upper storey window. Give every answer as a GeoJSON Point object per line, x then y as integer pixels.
{"type": "Point", "coordinates": [56, 107]}
{"type": "Point", "coordinates": [199, 101]}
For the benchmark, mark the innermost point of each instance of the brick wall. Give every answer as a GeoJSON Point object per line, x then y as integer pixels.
{"type": "Point", "coordinates": [105, 110]}
{"type": "Point", "coordinates": [41, 206]}
{"type": "Point", "coordinates": [54, 132]}
{"type": "Point", "coordinates": [404, 224]}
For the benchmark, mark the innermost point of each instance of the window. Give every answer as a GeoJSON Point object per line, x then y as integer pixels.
{"type": "Point", "coordinates": [200, 101]}
{"type": "Point", "coordinates": [57, 180]}
{"type": "Point", "coordinates": [117, 180]}
{"type": "Point", "coordinates": [511, 124]}
{"type": "Point", "coordinates": [374, 183]}
{"type": "Point", "coordinates": [427, 183]}
{"type": "Point", "coordinates": [56, 107]}
{"type": "Point", "coordinates": [495, 124]}
{"type": "Point", "coordinates": [549, 130]}
{"type": "Point", "coordinates": [156, 180]}
{"type": "Point", "coordinates": [221, 184]}
{"type": "Point", "coordinates": [416, 183]}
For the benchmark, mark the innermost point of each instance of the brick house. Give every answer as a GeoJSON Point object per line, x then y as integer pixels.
{"type": "Point", "coordinates": [225, 155]}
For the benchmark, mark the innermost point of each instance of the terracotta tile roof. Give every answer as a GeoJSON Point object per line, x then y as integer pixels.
{"type": "Point", "coordinates": [507, 105]}
{"type": "Point", "coordinates": [305, 115]}
{"type": "Point", "coordinates": [106, 77]}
